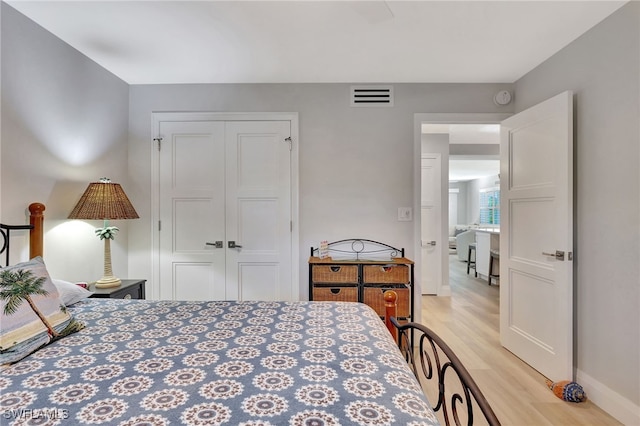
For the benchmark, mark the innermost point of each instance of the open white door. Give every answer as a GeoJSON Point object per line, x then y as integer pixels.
{"type": "Point", "coordinates": [536, 242]}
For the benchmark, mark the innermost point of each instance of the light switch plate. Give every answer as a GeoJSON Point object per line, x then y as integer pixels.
{"type": "Point", "coordinates": [405, 214]}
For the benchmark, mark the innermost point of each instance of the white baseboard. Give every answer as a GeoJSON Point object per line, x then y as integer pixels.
{"type": "Point", "coordinates": [613, 403]}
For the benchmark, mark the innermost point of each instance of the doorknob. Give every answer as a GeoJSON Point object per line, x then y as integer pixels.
{"type": "Point", "coordinates": [559, 255]}
{"type": "Point", "coordinates": [217, 244]}
{"type": "Point", "coordinates": [232, 244]}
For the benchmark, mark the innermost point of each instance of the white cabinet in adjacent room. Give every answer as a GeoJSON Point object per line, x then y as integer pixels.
{"type": "Point", "coordinates": [485, 242]}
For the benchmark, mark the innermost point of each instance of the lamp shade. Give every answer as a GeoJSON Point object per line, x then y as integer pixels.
{"type": "Point", "coordinates": [104, 200]}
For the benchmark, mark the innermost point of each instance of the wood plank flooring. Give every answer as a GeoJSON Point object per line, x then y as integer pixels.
{"type": "Point", "coordinates": [469, 322]}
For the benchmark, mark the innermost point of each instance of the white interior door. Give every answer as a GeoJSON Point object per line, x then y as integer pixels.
{"type": "Point", "coordinates": [431, 207]}
{"type": "Point", "coordinates": [225, 210]}
{"type": "Point", "coordinates": [258, 160]}
{"type": "Point", "coordinates": [192, 210]}
{"type": "Point", "coordinates": [536, 245]}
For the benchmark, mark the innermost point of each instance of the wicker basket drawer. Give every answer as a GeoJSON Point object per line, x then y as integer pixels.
{"type": "Point", "coordinates": [335, 274]}
{"type": "Point", "coordinates": [373, 296]}
{"type": "Point", "coordinates": [335, 294]}
{"type": "Point", "coordinates": [386, 274]}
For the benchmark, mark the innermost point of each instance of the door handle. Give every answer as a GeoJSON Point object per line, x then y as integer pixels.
{"type": "Point", "coordinates": [217, 244]}
{"type": "Point", "coordinates": [559, 255]}
{"type": "Point", "coordinates": [428, 243]}
{"type": "Point", "coordinates": [232, 244]}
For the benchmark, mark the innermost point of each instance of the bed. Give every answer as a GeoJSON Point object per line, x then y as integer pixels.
{"type": "Point", "coordinates": [225, 362]}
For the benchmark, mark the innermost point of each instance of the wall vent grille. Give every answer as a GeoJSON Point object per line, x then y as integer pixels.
{"type": "Point", "coordinates": [372, 96]}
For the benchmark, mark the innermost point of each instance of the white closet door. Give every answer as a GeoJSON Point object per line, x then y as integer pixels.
{"type": "Point", "coordinates": [192, 211]}
{"type": "Point", "coordinates": [225, 210]}
{"type": "Point", "coordinates": [258, 186]}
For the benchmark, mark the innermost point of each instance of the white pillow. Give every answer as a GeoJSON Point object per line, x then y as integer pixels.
{"type": "Point", "coordinates": [69, 292]}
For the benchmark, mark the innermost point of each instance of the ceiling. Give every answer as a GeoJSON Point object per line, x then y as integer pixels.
{"type": "Point", "coordinates": [154, 42]}
{"type": "Point", "coordinates": [463, 169]}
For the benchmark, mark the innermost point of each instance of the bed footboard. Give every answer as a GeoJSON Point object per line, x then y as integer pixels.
{"type": "Point", "coordinates": [430, 358]}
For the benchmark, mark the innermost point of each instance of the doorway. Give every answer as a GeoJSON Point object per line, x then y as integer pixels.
{"type": "Point", "coordinates": [474, 182]}
{"type": "Point", "coordinates": [439, 126]}
{"type": "Point", "coordinates": [537, 238]}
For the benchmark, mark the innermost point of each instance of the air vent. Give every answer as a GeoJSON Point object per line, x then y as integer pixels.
{"type": "Point", "coordinates": [371, 96]}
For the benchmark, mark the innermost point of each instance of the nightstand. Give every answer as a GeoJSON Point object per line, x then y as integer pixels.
{"type": "Point", "coordinates": [129, 289]}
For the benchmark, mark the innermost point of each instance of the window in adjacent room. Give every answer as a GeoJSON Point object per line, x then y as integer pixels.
{"type": "Point", "coordinates": [490, 206]}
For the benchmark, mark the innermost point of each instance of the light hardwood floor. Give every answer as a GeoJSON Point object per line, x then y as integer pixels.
{"type": "Point", "coordinates": [469, 322]}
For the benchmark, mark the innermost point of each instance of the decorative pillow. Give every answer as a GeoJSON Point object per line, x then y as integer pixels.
{"type": "Point", "coordinates": [70, 293]}
{"type": "Point", "coordinates": [32, 313]}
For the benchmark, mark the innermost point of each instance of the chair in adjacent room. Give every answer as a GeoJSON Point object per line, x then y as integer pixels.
{"type": "Point", "coordinates": [471, 259]}
{"type": "Point", "coordinates": [494, 257]}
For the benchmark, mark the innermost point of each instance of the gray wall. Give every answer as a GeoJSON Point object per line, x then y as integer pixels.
{"type": "Point", "coordinates": [602, 69]}
{"type": "Point", "coordinates": [463, 217]}
{"type": "Point", "coordinates": [356, 164]}
{"type": "Point", "coordinates": [64, 124]}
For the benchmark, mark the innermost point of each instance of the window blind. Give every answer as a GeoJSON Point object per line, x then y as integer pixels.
{"type": "Point", "coordinates": [490, 206]}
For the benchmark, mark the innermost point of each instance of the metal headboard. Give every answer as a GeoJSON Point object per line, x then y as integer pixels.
{"type": "Point", "coordinates": [5, 231]}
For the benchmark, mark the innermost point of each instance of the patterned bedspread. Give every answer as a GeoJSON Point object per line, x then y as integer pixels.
{"type": "Point", "coordinates": [200, 363]}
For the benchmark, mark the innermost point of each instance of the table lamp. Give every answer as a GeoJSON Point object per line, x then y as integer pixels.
{"type": "Point", "coordinates": [107, 201]}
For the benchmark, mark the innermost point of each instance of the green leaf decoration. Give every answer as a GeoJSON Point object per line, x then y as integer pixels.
{"type": "Point", "coordinates": [108, 232]}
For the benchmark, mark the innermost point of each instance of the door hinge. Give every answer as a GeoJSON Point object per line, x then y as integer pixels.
{"type": "Point", "coordinates": [288, 139]}
{"type": "Point", "coordinates": [159, 140]}
{"type": "Point", "coordinates": [159, 225]}
{"type": "Point", "coordinates": [290, 226]}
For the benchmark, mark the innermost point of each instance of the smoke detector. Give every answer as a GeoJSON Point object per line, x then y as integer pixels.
{"type": "Point", "coordinates": [503, 97]}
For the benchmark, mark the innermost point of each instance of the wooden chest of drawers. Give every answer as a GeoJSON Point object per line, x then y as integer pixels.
{"type": "Point", "coordinates": [335, 274]}
{"type": "Point", "coordinates": [363, 281]}
{"type": "Point", "coordinates": [376, 274]}
{"type": "Point", "coordinates": [335, 294]}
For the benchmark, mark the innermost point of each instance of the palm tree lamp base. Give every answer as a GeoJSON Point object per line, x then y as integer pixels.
{"type": "Point", "coordinates": [108, 282]}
